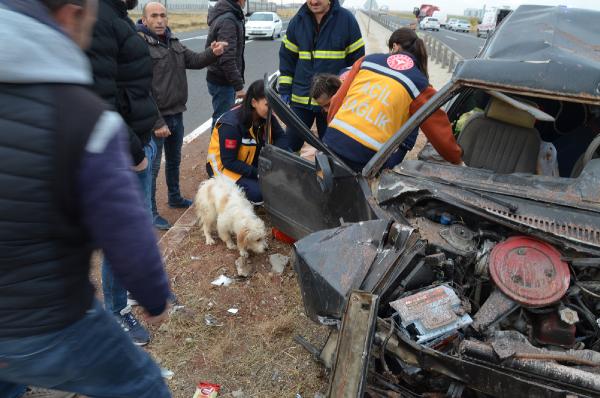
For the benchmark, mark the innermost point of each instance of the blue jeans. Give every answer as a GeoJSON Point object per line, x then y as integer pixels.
{"type": "Point", "coordinates": [93, 357]}
{"type": "Point", "coordinates": [308, 116]}
{"type": "Point", "coordinates": [115, 295]}
{"type": "Point", "coordinates": [251, 189]}
{"type": "Point", "coordinates": [223, 99]}
{"type": "Point", "coordinates": [172, 145]}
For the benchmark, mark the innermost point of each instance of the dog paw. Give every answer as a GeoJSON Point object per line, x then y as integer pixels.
{"type": "Point", "coordinates": [210, 241]}
{"type": "Point", "coordinates": [231, 245]}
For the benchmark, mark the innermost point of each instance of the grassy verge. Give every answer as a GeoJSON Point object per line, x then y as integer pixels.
{"type": "Point", "coordinates": [181, 22]}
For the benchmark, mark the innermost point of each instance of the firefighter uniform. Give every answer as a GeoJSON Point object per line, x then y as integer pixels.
{"type": "Point", "coordinates": [378, 96]}
{"type": "Point", "coordinates": [233, 151]}
{"type": "Point", "coordinates": [309, 48]}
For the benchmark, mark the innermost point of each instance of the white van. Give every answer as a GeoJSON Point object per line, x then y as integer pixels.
{"type": "Point", "coordinates": [442, 17]}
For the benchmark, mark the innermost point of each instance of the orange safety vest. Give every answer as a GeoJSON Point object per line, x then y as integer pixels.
{"type": "Point", "coordinates": [246, 153]}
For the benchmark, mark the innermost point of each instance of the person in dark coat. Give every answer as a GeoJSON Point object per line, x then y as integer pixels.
{"type": "Point", "coordinates": [170, 59]}
{"type": "Point", "coordinates": [122, 70]}
{"type": "Point", "coordinates": [225, 78]}
{"type": "Point", "coordinates": [66, 189]}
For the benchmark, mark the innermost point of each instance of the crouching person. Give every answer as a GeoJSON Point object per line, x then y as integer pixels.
{"type": "Point", "coordinates": [237, 139]}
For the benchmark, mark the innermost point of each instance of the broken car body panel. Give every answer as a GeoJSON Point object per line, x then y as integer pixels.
{"type": "Point", "coordinates": [509, 262]}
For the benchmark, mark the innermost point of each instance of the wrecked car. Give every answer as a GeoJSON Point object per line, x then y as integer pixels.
{"type": "Point", "coordinates": [446, 281]}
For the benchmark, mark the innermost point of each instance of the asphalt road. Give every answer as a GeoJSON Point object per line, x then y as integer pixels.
{"type": "Point", "coordinates": [466, 45]}
{"type": "Point", "coordinates": [261, 57]}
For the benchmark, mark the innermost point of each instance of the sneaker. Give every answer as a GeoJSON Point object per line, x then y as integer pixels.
{"type": "Point", "coordinates": [35, 392]}
{"type": "Point", "coordinates": [181, 203]}
{"type": "Point", "coordinates": [131, 301]}
{"type": "Point", "coordinates": [139, 335]}
{"type": "Point", "coordinates": [161, 223]}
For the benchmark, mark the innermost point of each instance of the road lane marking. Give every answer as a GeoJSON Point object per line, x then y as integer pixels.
{"type": "Point", "coordinates": [450, 37]}
{"type": "Point", "coordinates": [203, 37]}
{"type": "Point", "coordinates": [204, 127]}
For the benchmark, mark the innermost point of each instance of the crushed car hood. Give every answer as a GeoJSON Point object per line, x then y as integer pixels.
{"type": "Point", "coordinates": [540, 49]}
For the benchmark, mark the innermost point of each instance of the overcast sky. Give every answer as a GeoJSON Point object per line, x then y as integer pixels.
{"type": "Point", "coordinates": [458, 6]}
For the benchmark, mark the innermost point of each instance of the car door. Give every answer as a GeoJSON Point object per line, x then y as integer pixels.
{"type": "Point", "coordinates": [301, 196]}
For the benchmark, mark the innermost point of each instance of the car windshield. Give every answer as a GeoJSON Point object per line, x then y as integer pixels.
{"type": "Point", "coordinates": [261, 17]}
{"type": "Point", "coordinates": [432, 20]}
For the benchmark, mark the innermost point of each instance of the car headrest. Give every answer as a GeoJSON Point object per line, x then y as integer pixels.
{"type": "Point", "coordinates": [505, 112]}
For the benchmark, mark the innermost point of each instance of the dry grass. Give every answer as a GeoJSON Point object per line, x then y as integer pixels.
{"type": "Point", "coordinates": [182, 22]}
{"type": "Point", "coordinates": [252, 351]}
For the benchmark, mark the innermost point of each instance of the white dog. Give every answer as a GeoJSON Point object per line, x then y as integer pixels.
{"type": "Point", "coordinates": [221, 201]}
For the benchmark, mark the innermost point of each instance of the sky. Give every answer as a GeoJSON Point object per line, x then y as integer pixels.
{"type": "Point", "coordinates": [458, 6]}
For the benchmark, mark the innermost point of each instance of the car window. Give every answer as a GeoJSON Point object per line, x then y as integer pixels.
{"type": "Point", "coordinates": [432, 20]}
{"type": "Point", "coordinates": [261, 17]}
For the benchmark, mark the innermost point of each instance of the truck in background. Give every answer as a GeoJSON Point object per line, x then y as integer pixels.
{"type": "Point", "coordinates": [426, 10]}
{"type": "Point", "coordinates": [490, 20]}
{"type": "Point", "coordinates": [442, 17]}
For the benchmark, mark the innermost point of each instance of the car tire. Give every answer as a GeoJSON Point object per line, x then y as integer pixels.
{"type": "Point", "coordinates": [273, 34]}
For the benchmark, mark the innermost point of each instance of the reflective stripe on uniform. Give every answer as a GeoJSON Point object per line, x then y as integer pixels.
{"type": "Point", "coordinates": [355, 46]}
{"type": "Point", "coordinates": [397, 75]}
{"type": "Point", "coordinates": [322, 54]}
{"type": "Point", "coordinates": [356, 133]}
{"type": "Point", "coordinates": [286, 79]}
{"type": "Point", "coordinates": [289, 45]}
{"type": "Point", "coordinates": [300, 100]}
{"type": "Point", "coordinates": [248, 141]}
{"type": "Point", "coordinates": [212, 159]}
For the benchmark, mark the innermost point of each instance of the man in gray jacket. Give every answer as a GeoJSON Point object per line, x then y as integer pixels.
{"type": "Point", "coordinates": [170, 59]}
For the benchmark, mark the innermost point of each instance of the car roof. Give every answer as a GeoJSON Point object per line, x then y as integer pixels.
{"type": "Point", "coordinates": [549, 51]}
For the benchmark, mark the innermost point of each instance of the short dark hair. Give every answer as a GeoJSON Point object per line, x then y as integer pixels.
{"type": "Point", "coordinates": [256, 91]}
{"type": "Point", "coordinates": [54, 5]}
{"type": "Point", "coordinates": [325, 84]}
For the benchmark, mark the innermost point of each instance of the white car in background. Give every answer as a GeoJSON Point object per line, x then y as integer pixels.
{"type": "Point", "coordinates": [461, 26]}
{"type": "Point", "coordinates": [430, 23]}
{"type": "Point", "coordinates": [263, 24]}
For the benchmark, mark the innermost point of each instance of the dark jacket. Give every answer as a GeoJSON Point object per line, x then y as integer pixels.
{"type": "Point", "coordinates": [123, 72]}
{"type": "Point", "coordinates": [66, 184]}
{"type": "Point", "coordinates": [226, 23]}
{"type": "Point", "coordinates": [170, 59]}
{"type": "Point", "coordinates": [308, 49]}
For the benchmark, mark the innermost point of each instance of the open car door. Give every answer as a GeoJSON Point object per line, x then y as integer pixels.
{"type": "Point", "coordinates": [301, 196]}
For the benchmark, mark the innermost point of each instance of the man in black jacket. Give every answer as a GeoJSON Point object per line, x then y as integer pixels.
{"type": "Point", "coordinates": [225, 78]}
{"type": "Point", "coordinates": [122, 70]}
{"type": "Point", "coordinates": [170, 59]}
{"type": "Point", "coordinates": [66, 188]}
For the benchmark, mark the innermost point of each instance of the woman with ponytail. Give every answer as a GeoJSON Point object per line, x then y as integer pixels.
{"type": "Point", "coordinates": [380, 93]}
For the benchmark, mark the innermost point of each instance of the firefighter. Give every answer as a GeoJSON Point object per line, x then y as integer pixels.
{"type": "Point", "coordinates": [322, 37]}
{"type": "Point", "coordinates": [378, 96]}
{"type": "Point", "coordinates": [237, 139]}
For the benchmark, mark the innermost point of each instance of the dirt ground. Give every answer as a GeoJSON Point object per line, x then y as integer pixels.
{"type": "Point", "coordinates": [253, 351]}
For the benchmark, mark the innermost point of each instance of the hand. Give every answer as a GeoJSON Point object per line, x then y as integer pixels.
{"type": "Point", "coordinates": [157, 320]}
{"type": "Point", "coordinates": [218, 47]}
{"type": "Point", "coordinates": [162, 132]}
{"type": "Point", "coordinates": [240, 94]}
{"type": "Point", "coordinates": [285, 98]}
{"type": "Point", "coordinates": [143, 165]}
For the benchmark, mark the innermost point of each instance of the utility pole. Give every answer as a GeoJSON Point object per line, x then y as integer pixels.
{"type": "Point", "coordinates": [369, 22]}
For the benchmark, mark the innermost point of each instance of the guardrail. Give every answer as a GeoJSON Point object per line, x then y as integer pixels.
{"type": "Point", "coordinates": [440, 53]}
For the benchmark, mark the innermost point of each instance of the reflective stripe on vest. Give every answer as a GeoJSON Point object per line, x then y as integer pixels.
{"type": "Point", "coordinates": [246, 153]}
{"type": "Point", "coordinates": [301, 100]}
{"type": "Point", "coordinates": [286, 79]}
{"type": "Point", "coordinates": [374, 109]}
{"type": "Point", "coordinates": [355, 46]}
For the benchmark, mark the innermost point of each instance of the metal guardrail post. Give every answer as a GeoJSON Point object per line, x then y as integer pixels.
{"type": "Point", "coordinates": [439, 53]}
{"type": "Point", "coordinates": [445, 57]}
{"type": "Point", "coordinates": [452, 62]}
